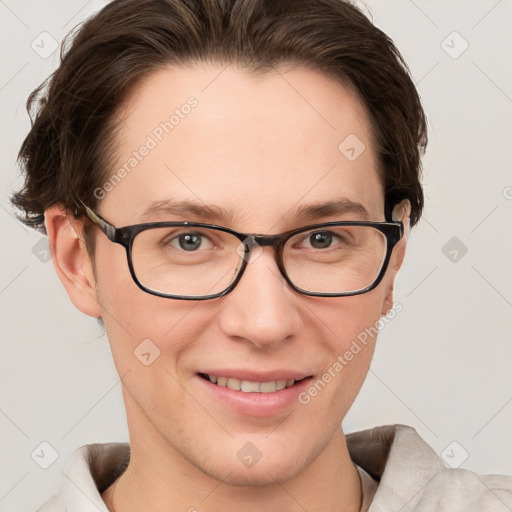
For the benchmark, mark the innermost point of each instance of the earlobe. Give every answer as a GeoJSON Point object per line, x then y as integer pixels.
{"type": "Point", "coordinates": [398, 255]}
{"type": "Point", "coordinates": [388, 301]}
{"type": "Point", "coordinates": [71, 260]}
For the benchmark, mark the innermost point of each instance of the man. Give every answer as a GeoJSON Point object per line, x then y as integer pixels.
{"type": "Point", "coordinates": [229, 187]}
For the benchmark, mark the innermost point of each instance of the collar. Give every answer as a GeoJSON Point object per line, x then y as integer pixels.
{"type": "Point", "coordinates": [395, 456]}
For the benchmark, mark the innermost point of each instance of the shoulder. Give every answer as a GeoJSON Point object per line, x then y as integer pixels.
{"type": "Point", "coordinates": [412, 477]}
{"type": "Point", "coordinates": [462, 490]}
{"type": "Point", "coordinates": [91, 469]}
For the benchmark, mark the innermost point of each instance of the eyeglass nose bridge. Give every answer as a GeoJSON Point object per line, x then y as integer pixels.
{"type": "Point", "coordinates": [252, 242]}
{"type": "Point", "coordinates": [253, 246]}
{"type": "Point", "coordinates": [263, 240]}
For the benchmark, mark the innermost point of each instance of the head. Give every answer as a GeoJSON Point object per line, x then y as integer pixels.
{"type": "Point", "coordinates": [246, 115]}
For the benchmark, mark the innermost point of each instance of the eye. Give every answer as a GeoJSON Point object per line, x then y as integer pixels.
{"type": "Point", "coordinates": [320, 239]}
{"type": "Point", "coordinates": [326, 239]}
{"type": "Point", "coordinates": [189, 242]}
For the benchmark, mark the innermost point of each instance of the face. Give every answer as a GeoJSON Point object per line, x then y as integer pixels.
{"type": "Point", "coordinates": [255, 150]}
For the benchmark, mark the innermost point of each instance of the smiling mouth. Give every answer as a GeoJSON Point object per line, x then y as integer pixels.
{"type": "Point", "coordinates": [247, 386]}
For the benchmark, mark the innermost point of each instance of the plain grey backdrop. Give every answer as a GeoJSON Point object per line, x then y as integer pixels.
{"type": "Point", "coordinates": [443, 365]}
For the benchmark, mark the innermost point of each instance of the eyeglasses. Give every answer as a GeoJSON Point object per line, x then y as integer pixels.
{"type": "Point", "coordinates": [196, 261]}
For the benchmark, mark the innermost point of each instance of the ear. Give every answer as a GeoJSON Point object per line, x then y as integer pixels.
{"type": "Point", "coordinates": [71, 260]}
{"type": "Point", "coordinates": [401, 212]}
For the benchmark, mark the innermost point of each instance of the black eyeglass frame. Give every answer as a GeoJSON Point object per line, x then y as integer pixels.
{"type": "Point", "coordinates": [393, 231]}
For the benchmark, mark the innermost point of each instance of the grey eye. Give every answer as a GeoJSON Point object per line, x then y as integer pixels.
{"type": "Point", "coordinates": [320, 239]}
{"type": "Point", "coordinates": [190, 241]}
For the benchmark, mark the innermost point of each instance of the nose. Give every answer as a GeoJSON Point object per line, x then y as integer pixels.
{"type": "Point", "coordinates": [262, 309]}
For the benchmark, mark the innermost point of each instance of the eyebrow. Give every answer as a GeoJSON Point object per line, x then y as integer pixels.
{"type": "Point", "coordinates": [339, 207]}
{"type": "Point", "coordinates": [187, 209]}
{"type": "Point", "coordinates": [304, 213]}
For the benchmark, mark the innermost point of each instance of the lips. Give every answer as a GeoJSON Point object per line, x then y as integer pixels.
{"type": "Point", "coordinates": [253, 393]}
{"type": "Point", "coordinates": [250, 386]}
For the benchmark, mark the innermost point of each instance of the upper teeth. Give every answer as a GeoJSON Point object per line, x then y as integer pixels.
{"type": "Point", "coordinates": [248, 386]}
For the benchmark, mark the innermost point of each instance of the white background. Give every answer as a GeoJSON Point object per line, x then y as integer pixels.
{"type": "Point", "coordinates": [443, 365]}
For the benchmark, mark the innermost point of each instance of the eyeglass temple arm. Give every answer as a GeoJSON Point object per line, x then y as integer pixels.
{"type": "Point", "coordinates": [108, 229]}
{"type": "Point", "coordinates": [401, 213]}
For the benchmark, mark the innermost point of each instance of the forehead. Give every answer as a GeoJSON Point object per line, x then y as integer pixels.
{"type": "Point", "coordinates": [259, 146]}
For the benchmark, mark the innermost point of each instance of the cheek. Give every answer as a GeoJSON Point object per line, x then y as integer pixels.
{"type": "Point", "coordinates": [136, 322]}
{"type": "Point", "coordinates": [351, 324]}
{"type": "Point", "coordinates": [361, 326]}
{"type": "Point", "coordinates": [346, 318]}
{"type": "Point", "coordinates": [152, 342]}
{"type": "Point", "coordinates": [139, 323]}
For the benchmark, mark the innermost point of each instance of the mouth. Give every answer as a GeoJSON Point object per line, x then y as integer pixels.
{"type": "Point", "coordinates": [248, 386]}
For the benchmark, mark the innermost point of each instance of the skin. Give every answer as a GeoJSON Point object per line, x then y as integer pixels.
{"type": "Point", "coordinates": [259, 149]}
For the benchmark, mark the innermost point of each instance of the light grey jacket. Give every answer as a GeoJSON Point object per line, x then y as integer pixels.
{"type": "Point", "coordinates": [411, 477]}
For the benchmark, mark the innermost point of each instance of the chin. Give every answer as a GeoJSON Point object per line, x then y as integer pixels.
{"type": "Point", "coordinates": [277, 462]}
{"type": "Point", "coordinates": [262, 474]}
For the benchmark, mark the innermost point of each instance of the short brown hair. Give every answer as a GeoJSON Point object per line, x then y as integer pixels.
{"type": "Point", "coordinates": [65, 156]}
